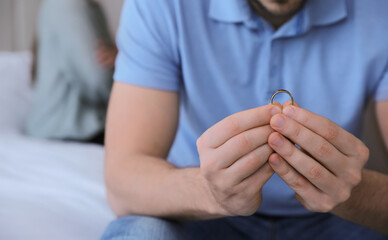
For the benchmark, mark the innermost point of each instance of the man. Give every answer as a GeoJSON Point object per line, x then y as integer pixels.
{"type": "Point", "coordinates": [75, 59]}
{"type": "Point", "coordinates": [194, 79]}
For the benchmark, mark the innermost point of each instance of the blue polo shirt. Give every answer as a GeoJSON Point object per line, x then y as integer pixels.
{"type": "Point", "coordinates": [223, 58]}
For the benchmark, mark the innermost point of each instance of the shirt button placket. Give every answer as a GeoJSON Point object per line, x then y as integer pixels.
{"type": "Point", "coordinates": [274, 68]}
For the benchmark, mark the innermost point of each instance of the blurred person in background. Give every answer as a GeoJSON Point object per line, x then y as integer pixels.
{"type": "Point", "coordinates": [75, 61]}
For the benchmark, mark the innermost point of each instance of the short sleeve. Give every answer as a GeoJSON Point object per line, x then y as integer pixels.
{"type": "Point", "coordinates": [147, 41]}
{"type": "Point", "coordinates": [381, 93]}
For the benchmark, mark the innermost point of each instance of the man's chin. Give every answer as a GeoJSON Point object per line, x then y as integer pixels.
{"type": "Point", "coordinates": [280, 1]}
{"type": "Point", "coordinates": [280, 8]}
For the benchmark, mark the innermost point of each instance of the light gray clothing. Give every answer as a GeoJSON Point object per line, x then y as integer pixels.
{"type": "Point", "coordinates": [72, 90]}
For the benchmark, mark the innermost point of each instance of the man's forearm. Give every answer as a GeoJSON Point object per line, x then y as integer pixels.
{"type": "Point", "coordinates": [144, 185]}
{"type": "Point", "coordinates": [368, 204]}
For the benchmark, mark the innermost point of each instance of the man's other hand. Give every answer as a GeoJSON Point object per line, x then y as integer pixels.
{"type": "Point", "coordinates": [328, 164]}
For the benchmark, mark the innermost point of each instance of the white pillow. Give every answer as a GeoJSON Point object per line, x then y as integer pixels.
{"type": "Point", "coordinates": [15, 90]}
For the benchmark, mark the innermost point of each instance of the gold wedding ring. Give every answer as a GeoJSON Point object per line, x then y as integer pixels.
{"type": "Point", "coordinates": [282, 91]}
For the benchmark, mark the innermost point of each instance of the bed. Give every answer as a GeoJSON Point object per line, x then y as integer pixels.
{"type": "Point", "coordinates": [48, 189]}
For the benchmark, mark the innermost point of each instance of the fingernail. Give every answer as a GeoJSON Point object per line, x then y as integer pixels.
{"type": "Point", "coordinates": [275, 161]}
{"type": "Point", "coordinates": [289, 111]}
{"type": "Point", "coordinates": [279, 121]}
{"type": "Point", "coordinates": [275, 110]}
{"type": "Point", "coordinates": [278, 141]}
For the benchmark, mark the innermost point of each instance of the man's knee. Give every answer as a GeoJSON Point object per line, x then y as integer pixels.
{"type": "Point", "coordinates": [141, 227]}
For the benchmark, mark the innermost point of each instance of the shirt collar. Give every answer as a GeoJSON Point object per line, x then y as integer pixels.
{"type": "Point", "coordinates": [231, 11]}
{"type": "Point", "coordinates": [325, 12]}
{"type": "Point", "coordinates": [314, 13]}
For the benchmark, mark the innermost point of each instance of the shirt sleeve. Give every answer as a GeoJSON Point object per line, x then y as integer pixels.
{"type": "Point", "coordinates": [147, 41]}
{"type": "Point", "coordinates": [381, 93]}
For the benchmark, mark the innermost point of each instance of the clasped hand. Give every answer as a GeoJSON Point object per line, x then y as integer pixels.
{"type": "Point", "coordinates": [241, 152]}
{"type": "Point", "coordinates": [328, 164]}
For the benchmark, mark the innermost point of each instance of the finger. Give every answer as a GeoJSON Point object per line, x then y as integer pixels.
{"type": "Point", "coordinates": [312, 170]}
{"type": "Point", "coordinates": [240, 145]}
{"type": "Point", "coordinates": [318, 147]}
{"type": "Point", "coordinates": [294, 180]}
{"type": "Point", "coordinates": [256, 181]}
{"type": "Point", "coordinates": [222, 131]}
{"type": "Point", "coordinates": [288, 103]}
{"type": "Point", "coordinates": [338, 137]}
{"type": "Point", "coordinates": [250, 163]}
{"type": "Point", "coordinates": [277, 104]}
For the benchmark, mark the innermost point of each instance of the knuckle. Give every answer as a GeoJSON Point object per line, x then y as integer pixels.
{"type": "Point", "coordinates": [316, 172]}
{"type": "Point", "coordinates": [309, 205]}
{"type": "Point", "coordinates": [242, 141]}
{"type": "Point", "coordinates": [299, 184]}
{"type": "Point", "coordinates": [255, 159]}
{"type": "Point", "coordinates": [303, 119]}
{"type": "Point", "coordinates": [297, 132]}
{"type": "Point", "coordinates": [331, 132]}
{"type": "Point", "coordinates": [248, 162]}
{"type": "Point", "coordinates": [354, 177]}
{"type": "Point", "coordinates": [285, 173]}
{"type": "Point", "coordinates": [344, 195]}
{"type": "Point", "coordinates": [363, 152]}
{"type": "Point", "coordinates": [252, 157]}
{"type": "Point", "coordinates": [251, 161]}
{"type": "Point", "coordinates": [232, 124]}
{"type": "Point", "coordinates": [289, 152]}
{"type": "Point", "coordinates": [322, 205]}
{"type": "Point", "coordinates": [324, 149]}
{"type": "Point", "coordinates": [202, 143]}
{"type": "Point", "coordinates": [325, 205]}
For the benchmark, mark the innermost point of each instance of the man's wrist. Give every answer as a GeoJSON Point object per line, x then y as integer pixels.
{"type": "Point", "coordinates": [207, 202]}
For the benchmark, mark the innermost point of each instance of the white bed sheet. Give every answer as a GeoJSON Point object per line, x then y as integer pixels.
{"type": "Point", "coordinates": [51, 189]}
{"type": "Point", "coordinates": [48, 189]}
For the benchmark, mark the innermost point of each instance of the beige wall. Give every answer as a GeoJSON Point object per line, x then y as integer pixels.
{"type": "Point", "coordinates": [113, 12]}
{"type": "Point", "coordinates": [18, 21]}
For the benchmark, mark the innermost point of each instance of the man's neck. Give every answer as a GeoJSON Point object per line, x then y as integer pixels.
{"type": "Point", "coordinates": [275, 21]}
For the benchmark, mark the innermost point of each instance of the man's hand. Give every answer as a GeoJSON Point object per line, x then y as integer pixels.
{"type": "Point", "coordinates": [329, 165]}
{"type": "Point", "coordinates": [234, 160]}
